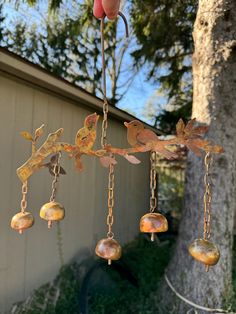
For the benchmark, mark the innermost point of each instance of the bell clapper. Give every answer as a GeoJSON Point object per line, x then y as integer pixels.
{"type": "Point", "coordinates": [152, 236]}
{"type": "Point", "coordinates": [203, 250]}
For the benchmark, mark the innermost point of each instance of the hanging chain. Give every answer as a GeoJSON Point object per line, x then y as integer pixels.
{"type": "Point", "coordinates": [153, 182]}
{"type": "Point", "coordinates": [111, 185]}
{"type": "Point", "coordinates": [104, 85]}
{"type": "Point", "coordinates": [23, 203]}
{"type": "Point", "coordinates": [207, 197]}
{"type": "Point", "coordinates": [56, 171]}
{"type": "Point", "coordinates": [111, 178]}
{"type": "Point", "coordinates": [104, 90]}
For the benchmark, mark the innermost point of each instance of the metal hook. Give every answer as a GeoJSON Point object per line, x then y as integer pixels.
{"type": "Point", "coordinates": [125, 22]}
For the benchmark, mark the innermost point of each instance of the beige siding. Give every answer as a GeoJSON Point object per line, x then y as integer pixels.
{"type": "Point", "coordinates": [31, 259]}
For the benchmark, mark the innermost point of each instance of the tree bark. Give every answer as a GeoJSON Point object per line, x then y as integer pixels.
{"type": "Point", "coordinates": [214, 103]}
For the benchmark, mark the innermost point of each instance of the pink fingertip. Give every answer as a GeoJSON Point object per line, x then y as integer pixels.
{"type": "Point", "coordinates": [111, 8]}
{"type": "Point", "coordinates": [98, 10]}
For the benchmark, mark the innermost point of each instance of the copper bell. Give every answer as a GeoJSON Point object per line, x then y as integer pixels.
{"type": "Point", "coordinates": [204, 251]}
{"type": "Point", "coordinates": [52, 211]}
{"type": "Point", "coordinates": [22, 221]}
{"type": "Point", "coordinates": [152, 223]}
{"type": "Point", "coordinates": [108, 249]}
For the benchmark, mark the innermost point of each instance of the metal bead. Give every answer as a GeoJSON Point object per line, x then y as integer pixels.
{"type": "Point", "coordinates": [153, 222]}
{"type": "Point", "coordinates": [22, 221]}
{"type": "Point", "coordinates": [108, 249]}
{"type": "Point", "coordinates": [204, 251]}
{"type": "Point", "coordinates": [52, 211]}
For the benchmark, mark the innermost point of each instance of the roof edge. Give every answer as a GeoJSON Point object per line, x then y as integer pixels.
{"type": "Point", "coordinates": [21, 69]}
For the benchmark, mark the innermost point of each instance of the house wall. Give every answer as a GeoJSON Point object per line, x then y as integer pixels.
{"type": "Point", "coordinates": [29, 260]}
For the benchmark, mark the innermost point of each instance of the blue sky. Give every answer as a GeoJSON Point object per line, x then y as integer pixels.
{"type": "Point", "coordinates": [140, 92]}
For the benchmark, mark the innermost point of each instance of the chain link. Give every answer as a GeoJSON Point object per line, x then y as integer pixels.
{"type": "Point", "coordinates": [111, 179]}
{"type": "Point", "coordinates": [153, 182]}
{"type": "Point", "coordinates": [56, 171]}
{"type": "Point", "coordinates": [104, 85]}
{"type": "Point", "coordinates": [207, 197]}
{"type": "Point", "coordinates": [24, 190]}
{"type": "Point", "coordinates": [104, 90]}
{"type": "Point", "coordinates": [104, 123]}
{"type": "Point", "coordinates": [110, 202]}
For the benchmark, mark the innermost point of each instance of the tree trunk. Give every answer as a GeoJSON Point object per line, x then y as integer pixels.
{"type": "Point", "coordinates": [214, 103]}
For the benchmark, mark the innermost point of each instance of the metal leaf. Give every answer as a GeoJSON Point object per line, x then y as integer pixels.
{"type": "Point", "coordinates": [106, 161]}
{"type": "Point", "coordinates": [216, 149]}
{"type": "Point", "coordinates": [26, 135]}
{"type": "Point", "coordinates": [132, 159]}
{"type": "Point", "coordinates": [189, 126]}
{"type": "Point", "coordinates": [78, 163]}
{"type": "Point", "coordinates": [200, 130]}
{"type": "Point", "coordinates": [38, 132]}
{"type": "Point", "coordinates": [180, 126]}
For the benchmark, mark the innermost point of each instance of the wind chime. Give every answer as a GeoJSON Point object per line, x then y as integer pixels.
{"type": "Point", "coordinates": [141, 140]}
{"type": "Point", "coordinates": [204, 250]}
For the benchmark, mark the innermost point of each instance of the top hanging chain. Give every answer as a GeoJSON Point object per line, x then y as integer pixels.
{"type": "Point", "coordinates": [104, 83]}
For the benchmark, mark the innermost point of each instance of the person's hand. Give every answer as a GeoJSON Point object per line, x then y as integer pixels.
{"type": "Point", "coordinates": [110, 8]}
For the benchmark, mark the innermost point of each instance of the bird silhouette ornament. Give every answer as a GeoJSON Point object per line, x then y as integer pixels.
{"type": "Point", "coordinates": [138, 136]}
{"type": "Point", "coordinates": [140, 139]}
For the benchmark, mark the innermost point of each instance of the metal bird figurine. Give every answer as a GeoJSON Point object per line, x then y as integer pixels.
{"type": "Point", "coordinates": [137, 135]}
{"type": "Point", "coordinates": [86, 136]}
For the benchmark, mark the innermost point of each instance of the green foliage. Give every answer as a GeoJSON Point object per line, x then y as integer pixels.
{"type": "Point", "coordinates": [146, 261]}
{"type": "Point", "coordinates": [63, 45]}
{"type": "Point", "coordinates": [164, 33]}
{"type": "Point", "coordinates": [143, 260]}
{"type": "Point", "coordinates": [171, 190]}
{"type": "Point", "coordinates": [1, 23]}
{"type": "Point", "coordinates": [67, 43]}
{"type": "Point", "coordinates": [59, 297]}
{"type": "Point", "coordinates": [168, 119]}
{"type": "Point", "coordinates": [68, 301]}
{"type": "Point", "coordinates": [53, 5]}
